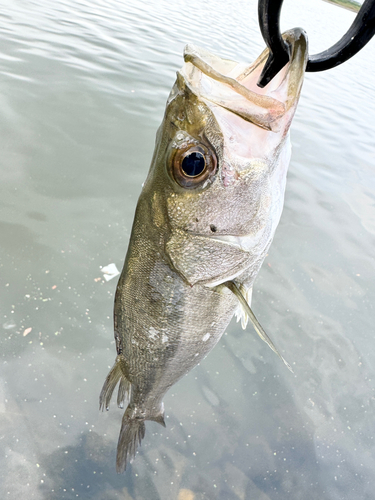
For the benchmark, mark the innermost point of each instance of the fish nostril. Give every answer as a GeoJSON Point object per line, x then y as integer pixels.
{"type": "Point", "coordinates": [213, 228]}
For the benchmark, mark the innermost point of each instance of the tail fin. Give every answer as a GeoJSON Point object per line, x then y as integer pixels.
{"type": "Point", "coordinates": [116, 374]}
{"type": "Point", "coordinates": [131, 434]}
{"type": "Point", "coordinates": [133, 431]}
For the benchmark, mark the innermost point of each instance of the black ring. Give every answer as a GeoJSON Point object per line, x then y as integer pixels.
{"type": "Point", "coordinates": [359, 33]}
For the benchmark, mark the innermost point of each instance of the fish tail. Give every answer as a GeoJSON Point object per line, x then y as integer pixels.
{"type": "Point", "coordinates": [133, 431]}
{"type": "Point", "coordinates": [131, 434]}
{"type": "Point", "coordinates": [115, 375]}
{"type": "Point", "coordinates": [158, 415]}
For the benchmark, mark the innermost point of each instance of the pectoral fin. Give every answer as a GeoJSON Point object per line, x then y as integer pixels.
{"type": "Point", "coordinates": [258, 327]}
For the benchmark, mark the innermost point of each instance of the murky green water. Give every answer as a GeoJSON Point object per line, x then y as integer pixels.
{"type": "Point", "coordinates": [82, 91]}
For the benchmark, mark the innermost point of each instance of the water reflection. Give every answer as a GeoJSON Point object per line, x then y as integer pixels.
{"type": "Point", "coordinates": [76, 144]}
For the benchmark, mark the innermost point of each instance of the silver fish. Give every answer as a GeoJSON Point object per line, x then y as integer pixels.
{"type": "Point", "coordinates": [204, 222]}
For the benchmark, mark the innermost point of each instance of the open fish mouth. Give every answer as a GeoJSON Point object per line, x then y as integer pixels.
{"type": "Point", "coordinates": [232, 86]}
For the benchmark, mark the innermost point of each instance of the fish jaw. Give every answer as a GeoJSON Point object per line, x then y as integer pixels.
{"type": "Point", "coordinates": [233, 85]}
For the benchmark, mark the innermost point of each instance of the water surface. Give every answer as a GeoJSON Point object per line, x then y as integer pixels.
{"type": "Point", "coordinates": [82, 91]}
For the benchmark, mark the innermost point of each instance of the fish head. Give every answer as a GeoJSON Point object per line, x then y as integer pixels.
{"type": "Point", "coordinates": [217, 178]}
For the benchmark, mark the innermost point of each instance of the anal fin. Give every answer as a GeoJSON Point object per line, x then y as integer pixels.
{"type": "Point", "coordinates": [115, 375]}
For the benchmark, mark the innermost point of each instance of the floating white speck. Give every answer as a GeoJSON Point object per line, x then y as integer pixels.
{"type": "Point", "coordinates": [110, 271]}
{"type": "Point", "coordinates": [206, 337]}
{"type": "Point", "coordinates": [27, 331]}
{"type": "Point", "coordinates": [164, 338]}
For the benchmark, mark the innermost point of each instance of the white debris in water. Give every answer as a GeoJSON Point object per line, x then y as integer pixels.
{"type": "Point", "coordinates": [206, 337]}
{"type": "Point", "coordinates": [27, 331]}
{"type": "Point", "coordinates": [164, 338]}
{"type": "Point", "coordinates": [9, 325]}
{"type": "Point", "coordinates": [110, 271]}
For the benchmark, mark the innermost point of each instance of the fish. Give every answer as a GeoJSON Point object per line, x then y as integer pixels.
{"type": "Point", "coordinates": [204, 222]}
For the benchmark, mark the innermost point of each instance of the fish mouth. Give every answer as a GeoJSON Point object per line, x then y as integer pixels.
{"type": "Point", "coordinates": [233, 86]}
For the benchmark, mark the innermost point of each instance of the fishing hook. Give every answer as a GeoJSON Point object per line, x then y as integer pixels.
{"type": "Point", "coordinates": [359, 33]}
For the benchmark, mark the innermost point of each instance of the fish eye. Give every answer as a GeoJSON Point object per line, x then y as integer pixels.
{"type": "Point", "coordinates": [192, 165]}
